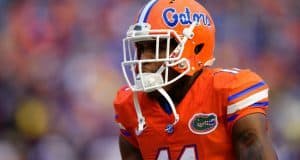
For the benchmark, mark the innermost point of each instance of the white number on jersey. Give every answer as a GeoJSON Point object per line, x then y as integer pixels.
{"type": "Point", "coordinates": [189, 152]}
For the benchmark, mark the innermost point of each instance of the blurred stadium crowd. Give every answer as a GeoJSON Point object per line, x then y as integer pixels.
{"type": "Point", "coordinates": [60, 69]}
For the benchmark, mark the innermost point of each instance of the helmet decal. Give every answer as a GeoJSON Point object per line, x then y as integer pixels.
{"type": "Point", "coordinates": [172, 18]}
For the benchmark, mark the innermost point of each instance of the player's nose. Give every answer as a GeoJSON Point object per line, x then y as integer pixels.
{"type": "Point", "coordinates": [147, 54]}
{"type": "Point", "coordinates": [147, 68]}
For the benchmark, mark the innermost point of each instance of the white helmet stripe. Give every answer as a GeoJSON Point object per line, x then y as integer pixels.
{"type": "Point", "coordinates": [145, 12]}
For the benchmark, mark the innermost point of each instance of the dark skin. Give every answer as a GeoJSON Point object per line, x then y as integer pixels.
{"type": "Point", "coordinates": [250, 137]}
{"type": "Point", "coordinates": [128, 151]}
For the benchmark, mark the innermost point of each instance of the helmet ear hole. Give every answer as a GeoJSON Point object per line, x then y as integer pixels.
{"type": "Point", "coordinates": [198, 48]}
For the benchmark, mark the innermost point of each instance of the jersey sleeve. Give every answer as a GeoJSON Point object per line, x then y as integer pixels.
{"type": "Point", "coordinates": [246, 93]}
{"type": "Point", "coordinates": [124, 114]}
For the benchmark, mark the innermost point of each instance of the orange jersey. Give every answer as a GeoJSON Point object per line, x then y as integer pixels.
{"type": "Point", "coordinates": [216, 100]}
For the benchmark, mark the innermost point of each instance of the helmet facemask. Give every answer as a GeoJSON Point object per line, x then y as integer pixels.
{"type": "Point", "coordinates": [132, 65]}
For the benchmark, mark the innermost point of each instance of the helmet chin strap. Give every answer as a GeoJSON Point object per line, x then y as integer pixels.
{"type": "Point", "coordinates": [168, 98]}
{"type": "Point", "coordinates": [154, 78]}
{"type": "Point", "coordinates": [141, 118]}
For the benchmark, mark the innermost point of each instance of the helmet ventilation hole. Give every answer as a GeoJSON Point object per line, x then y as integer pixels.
{"type": "Point", "coordinates": [198, 48]}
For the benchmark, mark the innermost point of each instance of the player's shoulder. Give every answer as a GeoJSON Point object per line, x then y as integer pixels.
{"type": "Point", "coordinates": [123, 102]}
{"type": "Point", "coordinates": [123, 106]}
{"type": "Point", "coordinates": [232, 78]}
{"type": "Point", "coordinates": [123, 96]}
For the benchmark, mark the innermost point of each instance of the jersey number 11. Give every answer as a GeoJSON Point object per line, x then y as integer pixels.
{"type": "Point", "coordinates": [189, 152]}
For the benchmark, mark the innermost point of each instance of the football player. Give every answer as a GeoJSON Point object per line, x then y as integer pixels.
{"type": "Point", "coordinates": [176, 106]}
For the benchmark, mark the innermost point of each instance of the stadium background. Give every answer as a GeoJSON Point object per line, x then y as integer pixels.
{"type": "Point", "coordinates": [60, 69]}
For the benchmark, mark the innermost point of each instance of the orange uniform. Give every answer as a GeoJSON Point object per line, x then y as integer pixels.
{"type": "Point", "coordinates": [216, 100]}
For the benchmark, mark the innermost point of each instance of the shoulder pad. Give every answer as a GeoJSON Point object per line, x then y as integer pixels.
{"type": "Point", "coordinates": [124, 107]}
{"type": "Point", "coordinates": [234, 78]}
{"type": "Point", "coordinates": [124, 95]}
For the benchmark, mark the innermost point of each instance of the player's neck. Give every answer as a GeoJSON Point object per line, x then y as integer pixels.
{"type": "Point", "coordinates": [181, 87]}
{"type": "Point", "coordinates": [178, 90]}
